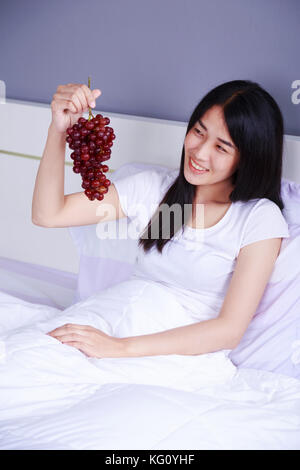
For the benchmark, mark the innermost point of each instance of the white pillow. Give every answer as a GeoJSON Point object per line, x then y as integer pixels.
{"type": "Point", "coordinates": [106, 262]}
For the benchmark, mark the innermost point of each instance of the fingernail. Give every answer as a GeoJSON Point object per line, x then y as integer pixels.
{"type": "Point", "coordinates": [93, 104]}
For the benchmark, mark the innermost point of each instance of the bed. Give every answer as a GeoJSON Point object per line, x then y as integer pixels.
{"type": "Point", "coordinates": [58, 268]}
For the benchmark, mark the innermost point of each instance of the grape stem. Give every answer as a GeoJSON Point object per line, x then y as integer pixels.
{"type": "Point", "coordinates": [90, 110]}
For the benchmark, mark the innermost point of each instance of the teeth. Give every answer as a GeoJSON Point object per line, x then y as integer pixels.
{"type": "Point", "coordinates": [197, 166]}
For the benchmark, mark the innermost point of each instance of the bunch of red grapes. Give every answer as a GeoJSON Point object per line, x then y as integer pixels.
{"type": "Point", "coordinates": [91, 142]}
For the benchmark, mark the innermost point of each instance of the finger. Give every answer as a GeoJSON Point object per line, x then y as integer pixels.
{"type": "Point", "coordinates": [71, 94]}
{"type": "Point", "coordinates": [65, 91]}
{"type": "Point", "coordinates": [76, 100]}
{"type": "Point", "coordinates": [83, 99]}
{"type": "Point", "coordinates": [88, 95]}
{"type": "Point", "coordinates": [73, 87]}
{"type": "Point", "coordinates": [70, 87]}
{"type": "Point", "coordinates": [68, 327]}
{"type": "Point", "coordinates": [64, 95]}
{"type": "Point", "coordinates": [59, 334]}
{"type": "Point", "coordinates": [63, 104]}
{"type": "Point", "coordinates": [96, 93]}
{"type": "Point", "coordinates": [91, 95]}
{"type": "Point", "coordinates": [85, 95]}
{"type": "Point", "coordinates": [82, 347]}
{"type": "Point", "coordinates": [73, 337]}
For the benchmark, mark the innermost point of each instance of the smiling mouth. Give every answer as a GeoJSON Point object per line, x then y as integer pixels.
{"type": "Point", "coordinates": [195, 166]}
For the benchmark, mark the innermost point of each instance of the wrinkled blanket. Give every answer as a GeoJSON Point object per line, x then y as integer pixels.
{"type": "Point", "coordinates": [52, 396]}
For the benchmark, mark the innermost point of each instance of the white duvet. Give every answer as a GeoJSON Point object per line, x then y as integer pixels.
{"type": "Point", "coordinates": [52, 396]}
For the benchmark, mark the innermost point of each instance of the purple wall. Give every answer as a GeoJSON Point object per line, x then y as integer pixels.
{"type": "Point", "coordinates": [151, 58]}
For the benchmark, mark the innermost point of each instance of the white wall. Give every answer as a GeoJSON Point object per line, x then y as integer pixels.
{"type": "Point", "coordinates": [24, 127]}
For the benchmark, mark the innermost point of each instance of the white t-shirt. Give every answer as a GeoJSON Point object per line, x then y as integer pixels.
{"type": "Point", "coordinates": [197, 264]}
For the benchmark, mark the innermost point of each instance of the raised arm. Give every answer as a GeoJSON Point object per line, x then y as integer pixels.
{"type": "Point", "coordinates": [50, 206]}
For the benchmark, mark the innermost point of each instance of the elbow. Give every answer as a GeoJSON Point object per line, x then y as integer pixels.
{"type": "Point", "coordinates": [228, 337]}
{"type": "Point", "coordinates": [35, 222]}
{"type": "Point", "coordinates": [234, 342]}
{"type": "Point", "coordinates": [35, 219]}
{"type": "Point", "coordinates": [39, 223]}
{"type": "Point", "coordinates": [230, 340]}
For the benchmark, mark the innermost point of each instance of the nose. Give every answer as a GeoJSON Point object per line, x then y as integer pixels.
{"type": "Point", "coordinates": [202, 154]}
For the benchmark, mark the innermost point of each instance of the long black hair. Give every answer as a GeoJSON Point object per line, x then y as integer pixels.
{"type": "Point", "coordinates": [255, 124]}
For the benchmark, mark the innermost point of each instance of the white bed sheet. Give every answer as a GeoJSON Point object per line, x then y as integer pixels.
{"type": "Point", "coordinates": [37, 284]}
{"type": "Point", "coordinates": [128, 416]}
{"type": "Point", "coordinates": [54, 397]}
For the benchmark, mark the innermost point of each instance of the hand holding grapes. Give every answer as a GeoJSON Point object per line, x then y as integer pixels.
{"type": "Point", "coordinates": [90, 139]}
{"type": "Point", "coordinates": [69, 103]}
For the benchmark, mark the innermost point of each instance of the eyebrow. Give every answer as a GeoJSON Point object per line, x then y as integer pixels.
{"type": "Point", "coordinates": [221, 140]}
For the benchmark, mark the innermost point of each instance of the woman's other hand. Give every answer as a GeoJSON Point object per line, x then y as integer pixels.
{"type": "Point", "coordinates": [91, 341]}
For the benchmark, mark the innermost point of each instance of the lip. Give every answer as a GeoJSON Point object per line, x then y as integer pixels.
{"type": "Point", "coordinates": [198, 172]}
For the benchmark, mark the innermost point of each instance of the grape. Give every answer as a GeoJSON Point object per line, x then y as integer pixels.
{"type": "Point", "coordinates": [95, 183]}
{"type": "Point", "coordinates": [84, 132]}
{"type": "Point", "coordinates": [90, 141]}
{"type": "Point", "coordinates": [102, 189]}
{"type": "Point", "coordinates": [97, 194]}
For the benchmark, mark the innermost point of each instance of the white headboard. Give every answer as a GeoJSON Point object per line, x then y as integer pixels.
{"type": "Point", "coordinates": [24, 127]}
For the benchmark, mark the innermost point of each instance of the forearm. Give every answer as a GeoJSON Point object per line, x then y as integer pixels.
{"type": "Point", "coordinates": [198, 338]}
{"type": "Point", "coordinates": [48, 195]}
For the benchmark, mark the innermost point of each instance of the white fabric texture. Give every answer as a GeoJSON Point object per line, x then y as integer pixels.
{"type": "Point", "coordinates": [54, 397]}
{"type": "Point", "coordinates": [32, 361]}
{"type": "Point", "coordinates": [197, 264]}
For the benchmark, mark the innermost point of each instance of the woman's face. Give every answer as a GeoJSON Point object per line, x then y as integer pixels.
{"type": "Point", "coordinates": [209, 145]}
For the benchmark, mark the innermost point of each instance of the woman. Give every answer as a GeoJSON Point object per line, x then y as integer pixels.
{"type": "Point", "coordinates": [194, 292]}
{"type": "Point", "coordinates": [236, 134]}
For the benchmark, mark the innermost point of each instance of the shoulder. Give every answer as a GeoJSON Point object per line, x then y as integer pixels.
{"type": "Point", "coordinates": [260, 208]}
{"type": "Point", "coordinates": [262, 219]}
{"type": "Point", "coordinates": [256, 208]}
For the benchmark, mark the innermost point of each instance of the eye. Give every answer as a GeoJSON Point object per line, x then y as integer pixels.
{"type": "Point", "coordinates": [198, 132]}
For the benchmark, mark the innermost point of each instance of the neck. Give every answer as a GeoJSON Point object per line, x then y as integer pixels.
{"type": "Point", "coordinates": [217, 193]}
